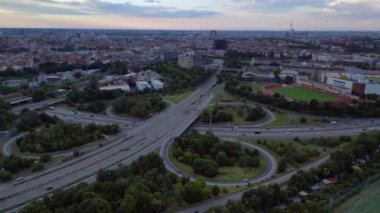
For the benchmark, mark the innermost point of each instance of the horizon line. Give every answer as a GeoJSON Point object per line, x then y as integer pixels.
{"type": "Point", "coordinates": [227, 30]}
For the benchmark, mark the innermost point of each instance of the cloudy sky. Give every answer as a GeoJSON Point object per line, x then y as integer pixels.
{"type": "Point", "coordinates": [193, 14]}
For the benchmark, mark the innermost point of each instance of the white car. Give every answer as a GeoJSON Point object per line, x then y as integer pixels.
{"type": "Point", "coordinates": [287, 133]}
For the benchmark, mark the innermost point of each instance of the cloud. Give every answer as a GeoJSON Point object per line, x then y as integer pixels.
{"type": "Point", "coordinates": [342, 9]}
{"type": "Point", "coordinates": [99, 7]}
{"type": "Point", "coordinates": [353, 9]}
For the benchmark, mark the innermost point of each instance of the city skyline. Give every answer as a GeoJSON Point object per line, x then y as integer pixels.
{"type": "Point", "coordinates": [337, 15]}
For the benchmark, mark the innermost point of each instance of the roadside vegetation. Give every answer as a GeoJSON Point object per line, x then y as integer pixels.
{"type": "Point", "coordinates": [141, 106]}
{"type": "Point", "coordinates": [12, 164]}
{"type": "Point", "coordinates": [237, 114]}
{"type": "Point", "coordinates": [346, 167]}
{"type": "Point", "coordinates": [179, 79]}
{"type": "Point", "coordinates": [208, 155]}
{"type": "Point", "coordinates": [6, 117]}
{"type": "Point", "coordinates": [177, 97]}
{"type": "Point", "coordinates": [63, 136]}
{"type": "Point", "coordinates": [143, 186]}
{"type": "Point", "coordinates": [91, 99]}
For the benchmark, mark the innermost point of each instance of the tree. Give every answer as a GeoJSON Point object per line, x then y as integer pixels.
{"type": "Point", "coordinates": [5, 176]}
{"type": "Point", "coordinates": [194, 191]}
{"type": "Point", "coordinates": [37, 166]}
{"type": "Point", "coordinates": [205, 167]}
{"type": "Point", "coordinates": [221, 159]}
{"type": "Point", "coordinates": [128, 204]}
{"type": "Point", "coordinates": [289, 79]}
{"type": "Point", "coordinates": [95, 205]}
{"type": "Point", "coordinates": [282, 166]}
{"type": "Point", "coordinates": [277, 73]}
{"type": "Point", "coordinates": [303, 120]}
{"type": "Point", "coordinates": [36, 207]}
{"type": "Point", "coordinates": [45, 158]}
{"type": "Point", "coordinates": [215, 190]}
{"type": "Point", "coordinates": [77, 75]}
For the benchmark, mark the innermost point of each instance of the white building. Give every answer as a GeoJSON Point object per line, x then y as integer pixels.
{"type": "Point", "coordinates": [157, 84]}
{"type": "Point", "coordinates": [124, 87]}
{"type": "Point", "coordinates": [143, 86]}
{"type": "Point", "coordinates": [340, 83]}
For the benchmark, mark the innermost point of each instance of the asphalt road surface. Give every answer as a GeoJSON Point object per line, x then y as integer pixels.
{"type": "Point", "coordinates": [269, 171]}
{"type": "Point", "coordinates": [311, 131]}
{"type": "Point", "coordinates": [87, 118]}
{"type": "Point", "coordinates": [126, 147]}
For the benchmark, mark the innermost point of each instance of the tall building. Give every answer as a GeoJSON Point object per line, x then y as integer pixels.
{"type": "Point", "coordinates": [220, 44]}
{"type": "Point", "coordinates": [189, 60]}
{"type": "Point", "coordinates": [213, 34]}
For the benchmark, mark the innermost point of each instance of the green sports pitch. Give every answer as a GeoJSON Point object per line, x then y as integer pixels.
{"type": "Point", "coordinates": [303, 94]}
{"type": "Point", "coordinates": [368, 204]}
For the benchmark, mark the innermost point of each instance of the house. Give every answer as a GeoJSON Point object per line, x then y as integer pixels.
{"type": "Point", "coordinates": [123, 87]}
{"type": "Point", "coordinates": [143, 86]}
{"type": "Point", "coordinates": [157, 84]}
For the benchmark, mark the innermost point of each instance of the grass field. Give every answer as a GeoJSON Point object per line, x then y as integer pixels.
{"type": "Point", "coordinates": [176, 98]}
{"type": "Point", "coordinates": [291, 119]}
{"type": "Point", "coordinates": [367, 201]}
{"type": "Point", "coordinates": [303, 94]}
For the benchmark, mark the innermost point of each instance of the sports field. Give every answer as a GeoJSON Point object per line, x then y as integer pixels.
{"type": "Point", "coordinates": [303, 94]}
{"type": "Point", "coordinates": [367, 201]}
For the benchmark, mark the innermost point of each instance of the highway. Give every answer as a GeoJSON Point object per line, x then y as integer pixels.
{"type": "Point", "coordinates": [125, 148]}
{"type": "Point", "coordinates": [17, 110]}
{"type": "Point", "coordinates": [269, 171]}
{"type": "Point", "coordinates": [283, 132]}
{"type": "Point", "coordinates": [86, 117]}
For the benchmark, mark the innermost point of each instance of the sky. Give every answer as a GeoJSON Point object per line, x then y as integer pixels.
{"type": "Point", "coordinates": [192, 14]}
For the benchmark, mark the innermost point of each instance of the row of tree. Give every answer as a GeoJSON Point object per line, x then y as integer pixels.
{"type": "Point", "coordinates": [30, 119]}
{"type": "Point", "coordinates": [178, 78]}
{"type": "Point", "coordinates": [356, 109]}
{"type": "Point", "coordinates": [290, 153]}
{"type": "Point", "coordinates": [143, 186]}
{"type": "Point", "coordinates": [205, 153]}
{"type": "Point", "coordinates": [6, 117]}
{"type": "Point", "coordinates": [220, 113]}
{"type": "Point", "coordinates": [141, 106]}
{"type": "Point", "coordinates": [63, 136]}
{"type": "Point", "coordinates": [340, 166]}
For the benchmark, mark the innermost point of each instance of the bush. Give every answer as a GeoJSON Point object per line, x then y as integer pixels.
{"type": "Point", "coordinates": [37, 166]}
{"type": "Point", "coordinates": [5, 176]}
{"type": "Point", "coordinates": [45, 158]}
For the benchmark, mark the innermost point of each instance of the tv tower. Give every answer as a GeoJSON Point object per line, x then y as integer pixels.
{"type": "Point", "coordinates": [291, 28]}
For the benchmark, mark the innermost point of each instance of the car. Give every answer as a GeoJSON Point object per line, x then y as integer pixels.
{"type": "Point", "coordinates": [257, 133]}
{"type": "Point", "coordinates": [20, 179]}
{"type": "Point", "coordinates": [234, 128]}
{"type": "Point", "coordinates": [245, 180]}
{"type": "Point", "coordinates": [49, 188]}
{"type": "Point", "coordinates": [120, 164]}
{"type": "Point", "coordinates": [287, 133]}
{"type": "Point", "coordinates": [142, 143]}
{"type": "Point", "coordinates": [91, 116]}
{"type": "Point", "coordinates": [51, 108]}
{"type": "Point", "coordinates": [333, 122]}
